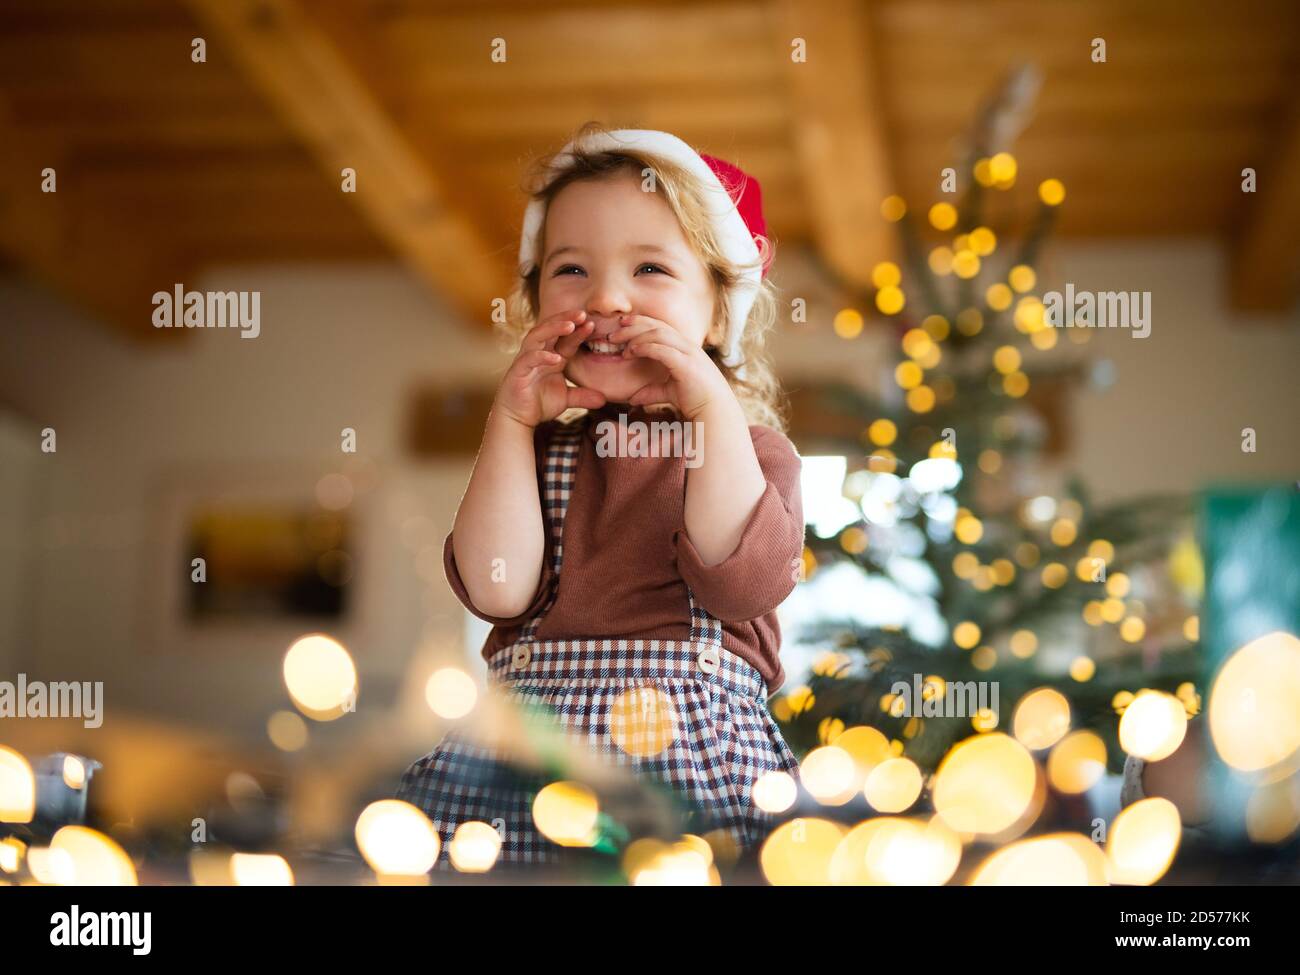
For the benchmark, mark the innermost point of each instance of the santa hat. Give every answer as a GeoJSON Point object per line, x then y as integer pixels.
{"type": "Point", "coordinates": [733, 199]}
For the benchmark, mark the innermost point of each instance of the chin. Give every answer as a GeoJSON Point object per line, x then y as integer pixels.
{"type": "Point", "coordinates": [616, 381]}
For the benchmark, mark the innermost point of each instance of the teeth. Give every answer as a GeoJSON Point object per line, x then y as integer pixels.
{"type": "Point", "coordinates": [607, 348]}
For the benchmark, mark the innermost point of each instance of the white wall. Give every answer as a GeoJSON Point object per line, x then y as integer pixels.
{"type": "Point", "coordinates": [345, 347]}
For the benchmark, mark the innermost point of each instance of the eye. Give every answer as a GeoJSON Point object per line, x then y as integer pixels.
{"type": "Point", "coordinates": [653, 267]}
{"type": "Point", "coordinates": [565, 269]}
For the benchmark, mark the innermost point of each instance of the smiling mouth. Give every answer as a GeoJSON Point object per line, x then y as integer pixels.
{"type": "Point", "coordinates": [604, 348]}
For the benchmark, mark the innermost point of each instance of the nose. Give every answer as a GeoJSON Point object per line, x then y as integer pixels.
{"type": "Point", "coordinates": [608, 298]}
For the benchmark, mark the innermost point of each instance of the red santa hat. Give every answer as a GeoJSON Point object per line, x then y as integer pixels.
{"type": "Point", "coordinates": [733, 199]}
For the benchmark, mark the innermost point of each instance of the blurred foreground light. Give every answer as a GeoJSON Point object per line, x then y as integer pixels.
{"type": "Point", "coordinates": [12, 851]}
{"type": "Point", "coordinates": [678, 865]}
{"type": "Point", "coordinates": [74, 772]}
{"type": "Point", "coordinates": [1055, 860]}
{"type": "Point", "coordinates": [643, 721]}
{"type": "Point", "coordinates": [287, 731]}
{"type": "Point", "coordinates": [1041, 718]}
{"type": "Point", "coordinates": [1153, 726]}
{"type": "Point", "coordinates": [397, 839]}
{"type": "Point", "coordinates": [774, 792]}
{"type": "Point", "coordinates": [1255, 703]}
{"type": "Point", "coordinates": [320, 677]}
{"type": "Point", "coordinates": [451, 693]}
{"type": "Point", "coordinates": [474, 847]}
{"type": "Point", "coordinates": [1272, 812]}
{"type": "Point", "coordinates": [92, 859]}
{"type": "Point", "coordinates": [566, 812]}
{"type": "Point", "coordinates": [1143, 841]}
{"type": "Point", "coordinates": [261, 870]}
{"type": "Point", "coordinates": [798, 853]}
{"type": "Point", "coordinates": [1077, 762]}
{"type": "Point", "coordinates": [17, 788]}
{"type": "Point", "coordinates": [50, 866]}
{"type": "Point", "coordinates": [896, 852]}
{"type": "Point", "coordinates": [828, 774]}
{"type": "Point", "coordinates": [893, 785]}
{"type": "Point", "coordinates": [985, 784]}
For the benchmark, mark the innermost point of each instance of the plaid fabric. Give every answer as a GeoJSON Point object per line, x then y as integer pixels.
{"type": "Point", "coordinates": [688, 713]}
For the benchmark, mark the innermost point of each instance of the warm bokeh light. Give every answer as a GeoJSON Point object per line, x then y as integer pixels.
{"type": "Point", "coordinates": [1273, 812]}
{"type": "Point", "coordinates": [1022, 278]}
{"type": "Point", "coordinates": [1153, 725]}
{"type": "Point", "coordinates": [1077, 762]}
{"type": "Point", "coordinates": [643, 721]}
{"type": "Point", "coordinates": [829, 775]}
{"type": "Point", "coordinates": [320, 677]}
{"type": "Point", "coordinates": [396, 838]}
{"type": "Point", "coordinates": [848, 323]}
{"type": "Point", "coordinates": [566, 813]}
{"type": "Point", "coordinates": [893, 785]}
{"type": "Point", "coordinates": [943, 216]}
{"type": "Point", "coordinates": [451, 693]}
{"type": "Point", "coordinates": [287, 731]}
{"type": "Point", "coordinates": [1051, 192]}
{"type": "Point", "coordinates": [474, 847]}
{"type": "Point", "coordinates": [890, 300]}
{"type": "Point", "coordinates": [683, 864]}
{"type": "Point", "coordinates": [774, 792]}
{"type": "Point", "coordinates": [798, 853]}
{"type": "Point", "coordinates": [882, 432]}
{"type": "Point", "coordinates": [260, 870]}
{"type": "Point", "coordinates": [1143, 840]}
{"type": "Point", "coordinates": [896, 852]}
{"type": "Point", "coordinates": [1006, 359]}
{"type": "Point", "coordinates": [74, 772]}
{"type": "Point", "coordinates": [92, 859]}
{"type": "Point", "coordinates": [1054, 860]}
{"type": "Point", "coordinates": [1041, 719]}
{"type": "Point", "coordinates": [893, 208]}
{"type": "Point", "coordinates": [17, 788]}
{"type": "Point", "coordinates": [985, 784]}
{"type": "Point", "coordinates": [886, 274]}
{"type": "Point", "coordinates": [1254, 709]}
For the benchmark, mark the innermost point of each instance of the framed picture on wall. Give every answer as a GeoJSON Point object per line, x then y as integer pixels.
{"type": "Point", "coordinates": [254, 558]}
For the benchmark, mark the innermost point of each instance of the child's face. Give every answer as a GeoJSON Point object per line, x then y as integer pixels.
{"type": "Point", "coordinates": [613, 249]}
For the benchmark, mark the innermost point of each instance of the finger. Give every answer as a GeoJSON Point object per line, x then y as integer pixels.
{"type": "Point", "coordinates": [633, 325]}
{"type": "Point", "coordinates": [669, 356]}
{"type": "Point", "coordinates": [567, 345]}
{"type": "Point", "coordinates": [544, 334]}
{"type": "Point", "coordinates": [653, 393]}
{"type": "Point", "coordinates": [529, 362]}
{"type": "Point", "coordinates": [587, 399]}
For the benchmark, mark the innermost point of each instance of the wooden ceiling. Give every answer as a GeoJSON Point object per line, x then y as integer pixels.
{"type": "Point", "coordinates": [166, 166]}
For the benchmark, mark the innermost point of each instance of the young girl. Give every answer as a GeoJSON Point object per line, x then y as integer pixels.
{"type": "Point", "coordinates": [611, 568]}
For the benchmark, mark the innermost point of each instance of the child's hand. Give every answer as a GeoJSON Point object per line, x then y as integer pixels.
{"type": "Point", "coordinates": [694, 381]}
{"type": "Point", "coordinates": [534, 389]}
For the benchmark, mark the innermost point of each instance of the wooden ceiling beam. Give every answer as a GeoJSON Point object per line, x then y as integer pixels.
{"type": "Point", "coordinates": [838, 133]}
{"type": "Point", "coordinates": [296, 64]}
{"type": "Point", "coordinates": [1264, 254]}
{"type": "Point", "coordinates": [98, 257]}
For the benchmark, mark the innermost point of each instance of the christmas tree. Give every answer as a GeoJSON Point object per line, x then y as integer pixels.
{"type": "Point", "coordinates": [1009, 583]}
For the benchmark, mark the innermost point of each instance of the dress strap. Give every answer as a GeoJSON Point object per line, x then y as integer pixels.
{"type": "Point", "coordinates": [561, 466]}
{"type": "Point", "coordinates": [558, 471]}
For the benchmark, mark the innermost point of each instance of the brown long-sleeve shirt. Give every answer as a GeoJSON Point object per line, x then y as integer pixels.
{"type": "Point", "coordinates": [628, 559]}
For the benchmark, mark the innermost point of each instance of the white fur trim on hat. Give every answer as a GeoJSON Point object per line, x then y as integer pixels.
{"type": "Point", "coordinates": [736, 240]}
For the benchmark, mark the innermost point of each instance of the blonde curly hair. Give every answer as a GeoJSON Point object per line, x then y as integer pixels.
{"type": "Point", "coordinates": [758, 390]}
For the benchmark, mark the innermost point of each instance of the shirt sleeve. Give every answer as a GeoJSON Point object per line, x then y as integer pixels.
{"type": "Point", "coordinates": [541, 440]}
{"type": "Point", "coordinates": [763, 569]}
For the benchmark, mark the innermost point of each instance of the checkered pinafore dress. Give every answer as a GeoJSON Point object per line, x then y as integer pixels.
{"type": "Point", "coordinates": [721, 737]}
